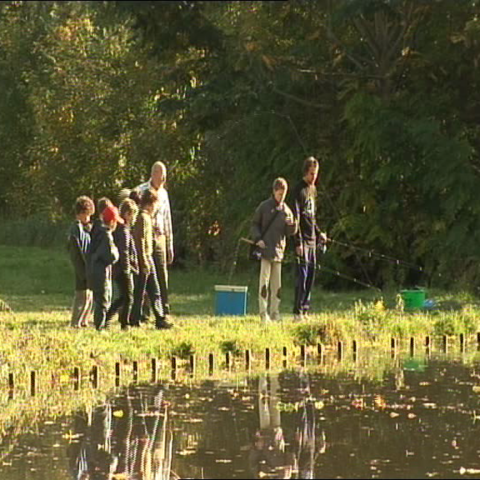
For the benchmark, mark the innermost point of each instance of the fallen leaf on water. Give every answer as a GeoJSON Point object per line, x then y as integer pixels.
{"type": "Point", "coordinates": [469, 471]}
{"type": "Point", "coordinates": [358, 403]}
{"type": "Point", "coordinates": [476, 388]}
{"type": "Point", "coordinates": [118, 413]}
{"type": "Point", "coordinates": [380, 402]}
{"type": "Point", "coordinates": [186, 452]}
{"type": "Point", "coordinates": [394, 414]}
{"type": "Point", "coordinates": [411, 415]}
{"type": "Point", "coordinates": [194, 420]}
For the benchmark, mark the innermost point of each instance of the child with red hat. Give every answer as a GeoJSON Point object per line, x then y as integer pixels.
{"type": "Point", "coordinates": [101, 256]}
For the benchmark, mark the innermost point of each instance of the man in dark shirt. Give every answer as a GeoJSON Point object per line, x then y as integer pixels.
{"type": "Point", "coordinates": [304, 202]}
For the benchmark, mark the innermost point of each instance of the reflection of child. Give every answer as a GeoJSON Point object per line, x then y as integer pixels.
{"type": "Point", "coordinates": [307, 443]}
{"type": "Point", "coordinates": [78, 243]}
{"type": "Point", "coordinates": [268, 457]}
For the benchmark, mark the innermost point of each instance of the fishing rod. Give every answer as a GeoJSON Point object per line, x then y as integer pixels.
{"type": "Point", "coordinates": [321, 268]}
{"type": "Point", "coordinates": [382, 256]}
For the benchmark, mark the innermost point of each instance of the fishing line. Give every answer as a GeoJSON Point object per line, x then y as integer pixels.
{"type": "Point", "coordinates": [320, 267]}
{"type": "Point", "coordinates": [382, 256]}
{"type": "Point", "coordinates": [288, 261]}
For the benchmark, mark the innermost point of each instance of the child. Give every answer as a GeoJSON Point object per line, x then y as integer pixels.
{"type": "Point", "coordinates": [272, 222]}
{"type": "Point", "coordinates": [78, 243]}
{"type": "Point", "coordinates": [102, 255]}
{"type": "Point", "coordinates": [101, 204]}
{"type": "Point", "coordinates": [147, 278]}
{"type": "Point", "coordinates": [127, 265]}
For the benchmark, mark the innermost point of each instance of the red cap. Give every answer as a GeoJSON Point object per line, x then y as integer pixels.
{"type": "Point", "coordinates": [111, 213]}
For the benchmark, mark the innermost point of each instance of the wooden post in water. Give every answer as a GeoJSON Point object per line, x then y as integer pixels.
{"type": "Point", "coordinates": [210, 364]}
{"type": "Point", "coordinates": [462, 343]}
{"type": "Point", "coordinates": [445, 344]}
{"type": "Point", "coordinates": [174, 368]}
{"type": "Point", "coordinates": [33, 383]}
{"type": "Point", "coordinates": [227, 361]}
{"type": "Point", "coordinates": [192, 364]}
{"type": "Point", "coordinates": [94, 376]}
{"type": "Point", "coordinates": [412, 346]}
{"type": "Point", "coordinates": [285, 357]}
{"type": "Point", "coordinates": [354, 350]}
{"type": "Point", "coordinates": [319, 353]}
{"type": "Point", "coordinates": [427, 344]}
{"type": "Point", "coordinates": [303, 355]}
{"type": "Point", "coordinates": [340, 351]}
{"type": "Point", "coordinates": [154, 370]}
{"type": "Point", "coordinates": [248, 359]}
{"type": "Point", "coordinates": [11, 386]}
{"type": "Point", "coordinates": [267, 358]}
{"type": "Point", "coordinates": [76, 379]}
{"type": "Point", "coordinates": [117, 374]}
{"type": "Point", "coordinates": [393, 346]}
{"type": "Point", "coordinates": [135, 371]}
{"type": "Point", "coordinates": [478, 342]}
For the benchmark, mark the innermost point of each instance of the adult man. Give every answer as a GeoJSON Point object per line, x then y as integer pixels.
{"type": "Point", "coordinates": [162, 228]}
{"type": "Point", "coordinates": [307, 237]}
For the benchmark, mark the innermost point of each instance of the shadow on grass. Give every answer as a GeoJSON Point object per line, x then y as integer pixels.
{"type": "Point", "coordinates": [39, 303]}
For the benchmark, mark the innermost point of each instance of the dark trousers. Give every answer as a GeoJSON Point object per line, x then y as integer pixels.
{"type": "Point", "coordinates": [305, 275]}
{"type": "Point", "coordinates": [102, 296]}
{"type": "Point", "coordinates": [148, 283]}
{"type": "Point", "coordinates": [124, 302]}
{"type": "Point", "coordinates": [161, 267]}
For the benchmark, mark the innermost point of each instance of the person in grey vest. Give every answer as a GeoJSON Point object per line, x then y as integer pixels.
{"type": "Point", "coordinates": [272, 223]}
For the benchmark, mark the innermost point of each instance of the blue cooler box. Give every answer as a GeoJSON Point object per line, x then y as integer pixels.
{"type": "Point", "coordinates": [230, 300]}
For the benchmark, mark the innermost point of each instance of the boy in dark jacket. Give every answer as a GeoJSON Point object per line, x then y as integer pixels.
{"type": "Point", "coordinates": [78, 243]}
{"type": "Point", "coordinates": [102, 255]}
{"type": "Point", "coordinates": [127, 265]}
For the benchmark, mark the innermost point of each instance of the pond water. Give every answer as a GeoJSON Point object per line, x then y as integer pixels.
{"type": "Point", "coordinates": [419, 421]}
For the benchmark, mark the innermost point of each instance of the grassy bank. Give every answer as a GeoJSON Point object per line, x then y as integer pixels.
{"type": "Point", "coordinates": [37, 284]}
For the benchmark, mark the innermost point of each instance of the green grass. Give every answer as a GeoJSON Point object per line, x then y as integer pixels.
{"type": "Point", "coordinates": [38, 285]}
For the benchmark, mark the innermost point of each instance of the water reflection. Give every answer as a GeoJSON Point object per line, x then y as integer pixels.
{"type": "Point", "coordinates": [269, 456]}
{"type": "Point", "coordinates": [420, 420]}
{"type": "Point", "coordinates": [130, 437]}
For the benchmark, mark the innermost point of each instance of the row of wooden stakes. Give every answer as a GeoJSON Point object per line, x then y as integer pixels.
{"type": "Point", "coordinates": [229, 362]}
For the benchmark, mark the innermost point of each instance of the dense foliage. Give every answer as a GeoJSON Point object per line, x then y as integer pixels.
{"type": "Point", "coordinates": [232, 94]}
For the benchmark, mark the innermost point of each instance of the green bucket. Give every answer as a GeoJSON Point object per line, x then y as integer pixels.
{"type": "Point", "coordinates": [413, 299]}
